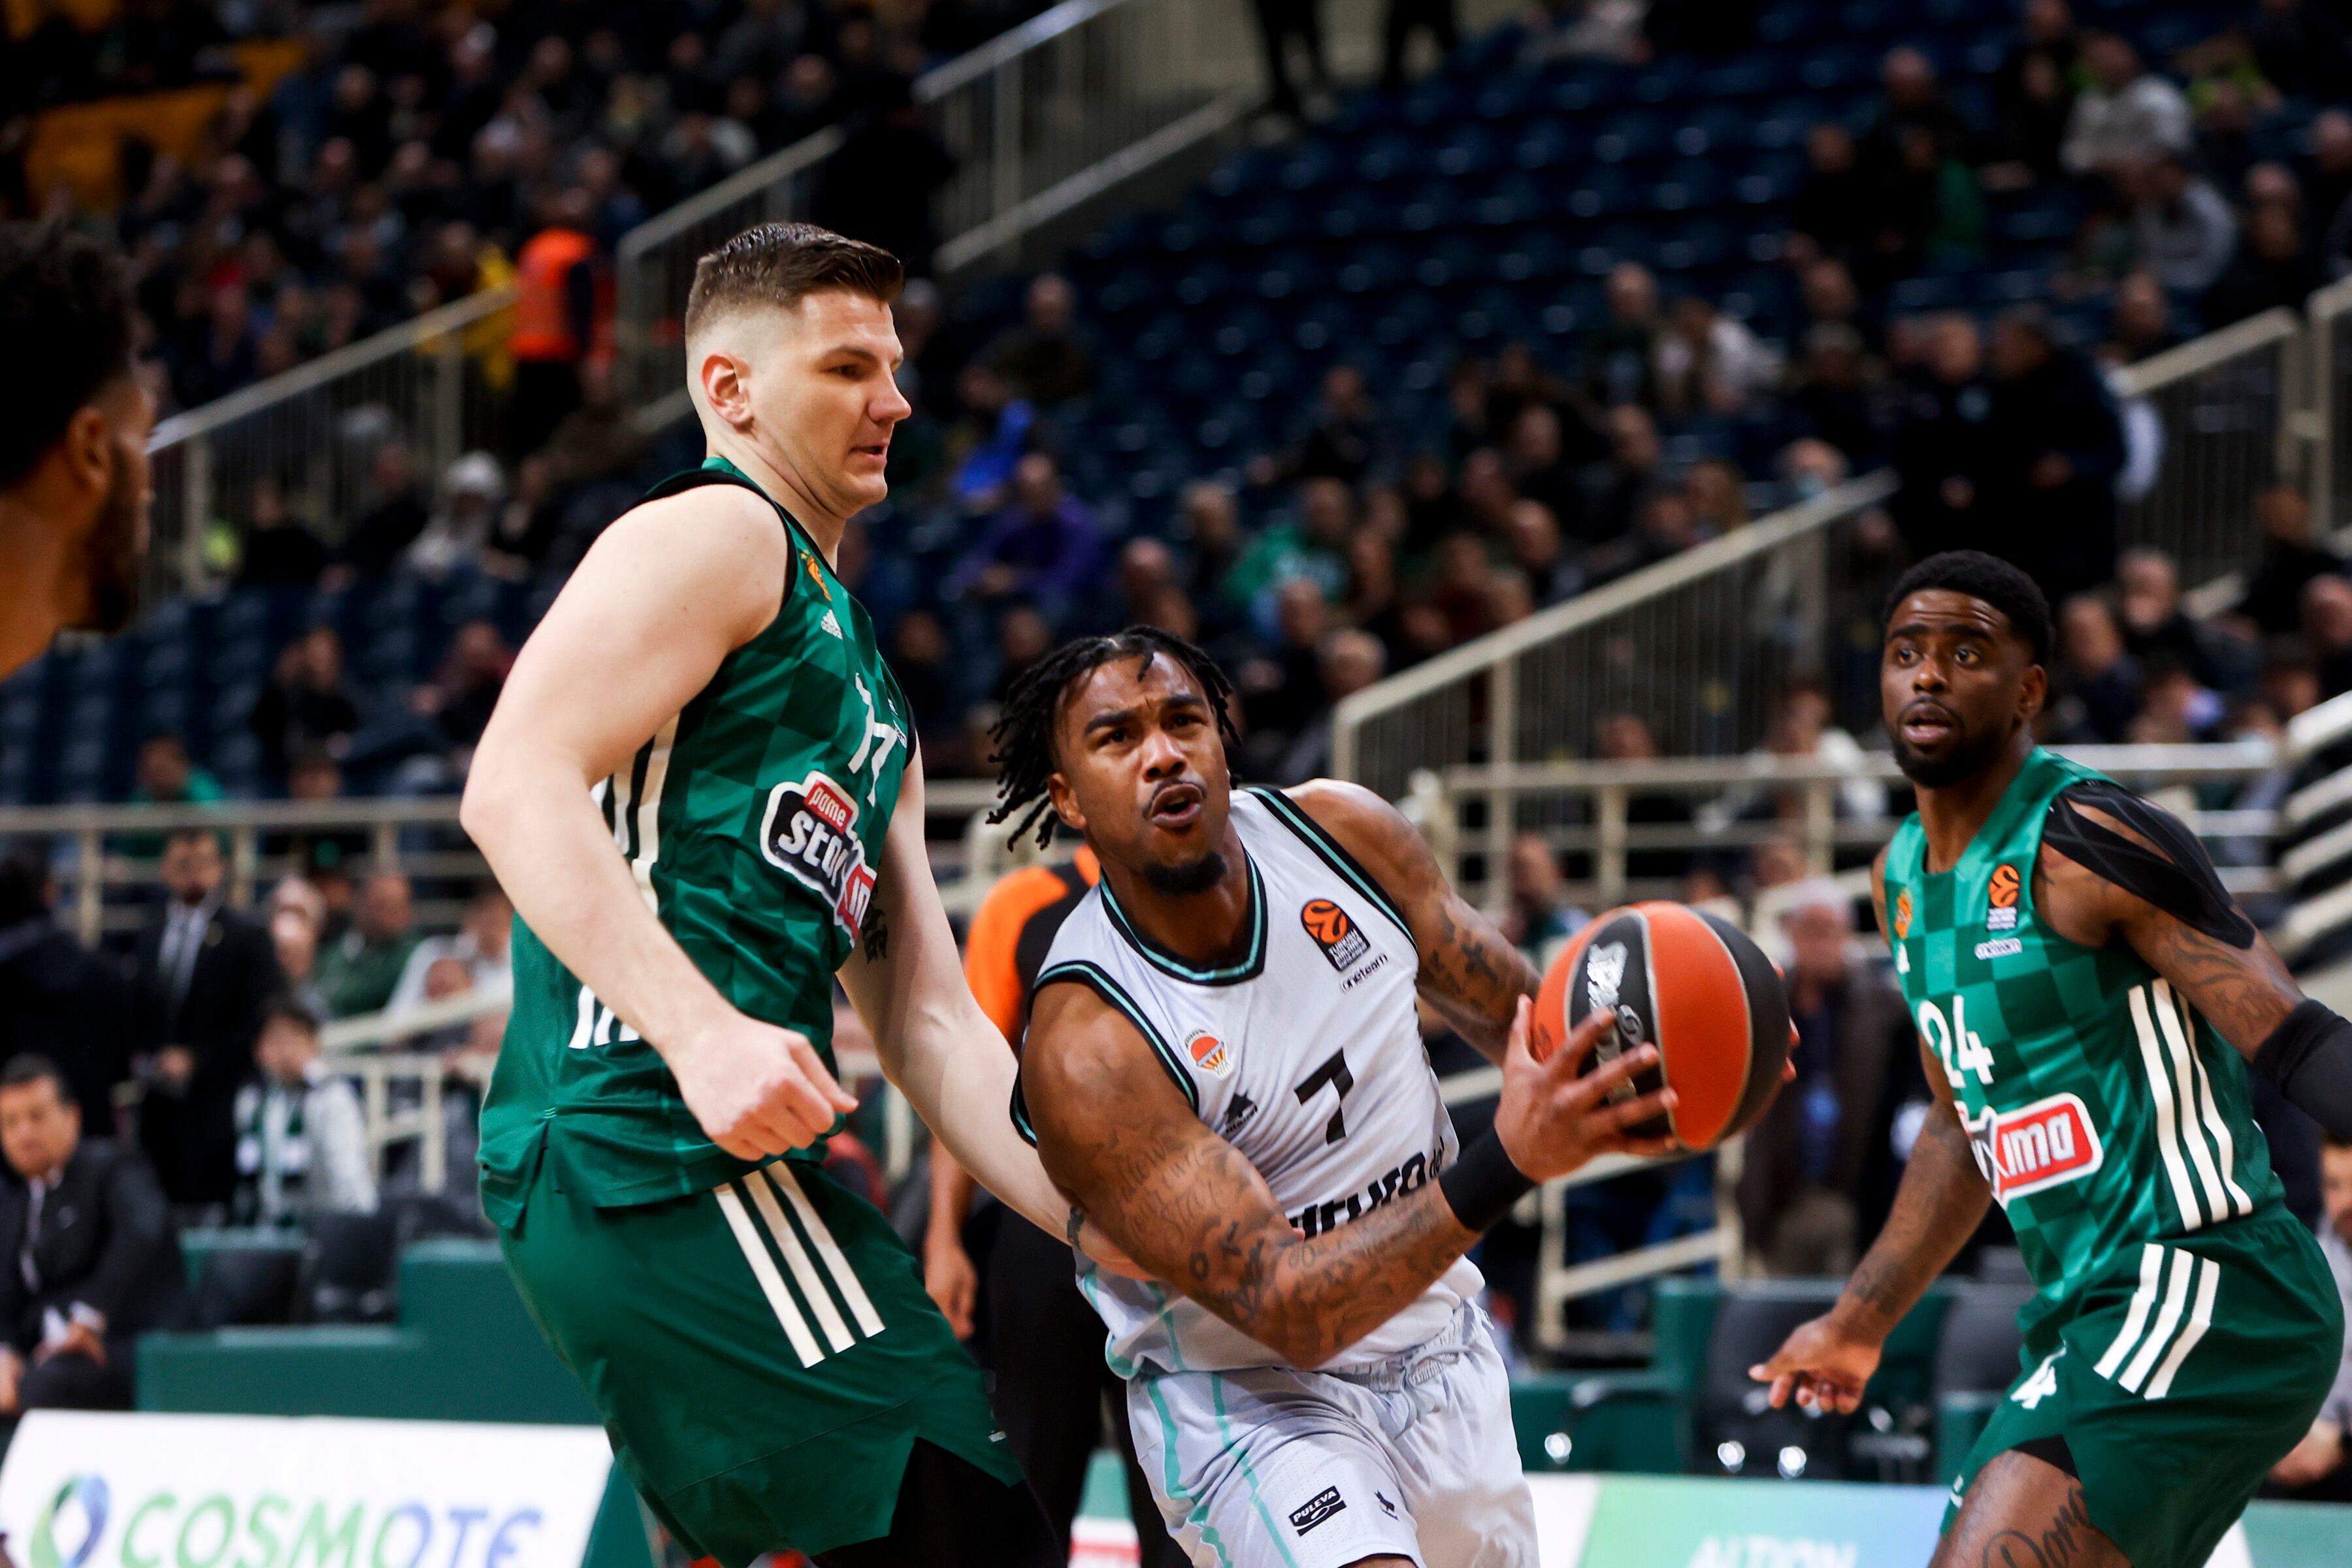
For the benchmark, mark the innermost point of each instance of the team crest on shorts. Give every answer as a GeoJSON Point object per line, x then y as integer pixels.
{"type": "Point", "coordinates": [1208, 1053]}
{"type": "Point", "coordinates": [2001, 902]}
{"type": "Point", "coordinates": [807, 833]}
{"type": "Point", "coordinates": [1335, 931]}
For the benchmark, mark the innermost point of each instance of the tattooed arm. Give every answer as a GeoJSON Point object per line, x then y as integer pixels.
{"type": "Point", "coordinates": [2213, 956]}
{"type": "Point", "coordinates": [1939, 1204]}
{"type": "Point", "coordinates": [1470, 973]}
{"type": "Point", "coordinates": [1118, 1134]}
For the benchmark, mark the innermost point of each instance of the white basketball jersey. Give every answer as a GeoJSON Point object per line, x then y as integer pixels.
{"type": "Point", "coordinates": [1303, 1053]}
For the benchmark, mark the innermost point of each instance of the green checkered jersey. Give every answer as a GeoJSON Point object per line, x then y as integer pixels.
{"type": "Point", "coordinates": [753, 821]}
{"type": "Point", "coordinates": [2104, 1113]}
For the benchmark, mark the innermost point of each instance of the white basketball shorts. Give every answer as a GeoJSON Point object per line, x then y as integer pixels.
{"type": "Point", "coordinates": [1275, 1467]}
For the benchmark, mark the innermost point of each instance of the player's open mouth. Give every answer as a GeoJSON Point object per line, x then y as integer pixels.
{"type": "Point", "coordinates": [1176, 805]}
{"type": "Point", "coordinates": [1925, 724]}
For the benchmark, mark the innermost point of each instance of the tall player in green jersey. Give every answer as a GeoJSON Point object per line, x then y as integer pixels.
{"type": "Point", "coordinates": [2088, 1000]}
{"type": "Point", "coordinates": [700, 790]}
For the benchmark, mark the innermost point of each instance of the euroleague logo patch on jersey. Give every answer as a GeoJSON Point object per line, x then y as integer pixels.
{"type": "Point", "coordinates": [2045, 1144]}
{"type": "Point", "coordinates": [807, 832]}
{"type": "Point", "coordinates": [1335, 931]}
{"type": "Point", "coordinates": [2000, 901]}
{"type": "Point", "coordinates": [1902, 914]}
{"type": "Point", "coordinates": [1208, 1053]}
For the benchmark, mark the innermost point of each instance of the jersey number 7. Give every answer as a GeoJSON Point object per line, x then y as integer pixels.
{"type": "Point", "coordinates": [1334, 1071]}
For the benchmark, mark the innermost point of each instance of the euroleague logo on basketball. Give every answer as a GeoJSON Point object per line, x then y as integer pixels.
{"type": "Point", "coordinates": [1604, 976]}
{"type": "Point", "coordinates": [2001, 902]}
{"type": "Point", "coordinates": [1208, 1053]}
{"type": "Point", "coordinates": [1335, 932]}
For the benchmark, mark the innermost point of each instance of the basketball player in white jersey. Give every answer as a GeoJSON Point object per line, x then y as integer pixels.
{"type": "Point", "coordinates": [1224, 1069]}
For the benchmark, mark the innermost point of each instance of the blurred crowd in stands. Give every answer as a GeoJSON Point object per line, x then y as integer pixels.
{"type": "Point", "coordinates": [416, 149]}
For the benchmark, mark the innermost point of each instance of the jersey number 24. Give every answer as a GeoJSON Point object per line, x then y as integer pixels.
{"type": "Point", "coordinates": [1954, 1043]}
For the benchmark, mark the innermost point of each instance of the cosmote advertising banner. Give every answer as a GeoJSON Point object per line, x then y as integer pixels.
{"type": "Point", "coordinates": [233, 1491]}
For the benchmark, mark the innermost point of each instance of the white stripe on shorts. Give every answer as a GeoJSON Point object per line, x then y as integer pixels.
{"type": "Point", "coordinates": [763, 1269]}
{"type": "Point", "coordinates": [2151, 1274]}
{"type": "Point", "coordinates": [861, 1306]}
{"type": "Point", "coordinates": [2168, 1319]}
{"type": "Point", "coordinates": [2201, 1317]}
{"type": "Point", "coordinates": [828, 1316]}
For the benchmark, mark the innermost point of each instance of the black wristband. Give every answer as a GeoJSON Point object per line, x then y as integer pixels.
{"type": "Point", "coordinates": [2309, 1056]}
{"type": "Point", "coordinates": [1482, 1185]}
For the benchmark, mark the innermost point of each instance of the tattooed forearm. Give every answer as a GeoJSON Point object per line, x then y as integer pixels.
{"type": "Point", "coordinates": [877, 934]}
{"type": "Point", "coordinates": [1473, 974]}
{"type": "Point", "coordinates": [1188, 1207]}
{"type": "Point", "coordinates": [1312, 1299]}
{"type": "Point", "coordinates": [1939, 1204]}
{"type": "Point", "coordinates": [2245, 993]}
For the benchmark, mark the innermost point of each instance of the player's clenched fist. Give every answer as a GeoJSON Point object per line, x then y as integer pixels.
{"type": "Point", "coordinates": [758, 1089]}
{"type": "Point", "coordinates": [1551, 1120]}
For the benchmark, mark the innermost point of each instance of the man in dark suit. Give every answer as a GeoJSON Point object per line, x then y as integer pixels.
{"type": "Point", "coordinates": [87, 1256]}
{"type": "Point", "coordinates": [59, 999]}
{"type": "Point", "coordinates": [204, 973]}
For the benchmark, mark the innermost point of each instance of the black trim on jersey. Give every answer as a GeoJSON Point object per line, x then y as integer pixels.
{"type": "Point", "coordinates": [1316, 837]}
{"type": "Point", "coordinates": [2177, 877]}
{"type": "Point", "coordinates": [1250, 964]}
{"type": "Point", "coordinates": [2051, 1451]}
{"type": "Point", "coordinates": [1019, 1109]}
{"type": "Point", "coordinates": [694, 478]}
{"type": "Point", "coordinates": [1079, 972]}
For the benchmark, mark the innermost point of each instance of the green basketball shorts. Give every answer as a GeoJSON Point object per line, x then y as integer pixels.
{"type": "Point", "coordinates": [2185, 1378]}
{"type": "Point", "coordinates": [762, 1353]}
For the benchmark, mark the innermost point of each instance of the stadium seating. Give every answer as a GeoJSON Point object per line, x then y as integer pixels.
{"type": "Point", "coordinates": [1485, 204]}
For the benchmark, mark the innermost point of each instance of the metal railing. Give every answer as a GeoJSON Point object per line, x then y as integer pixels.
{"type": "Point", "coordinates": [1693, 646]}
{"type": "Point", "coordinates": [431, 385]}
{"type": "Point", "coordinates": [2315, 830]}
{"type": "Point", "coordinates": [1043, 116]}
{"type": "Point", "coordinates": [1590, 813]}
{"type": "Point", "coordinates": [416, 835]}
{"type": "Point", "coordinates": [2228, 418]}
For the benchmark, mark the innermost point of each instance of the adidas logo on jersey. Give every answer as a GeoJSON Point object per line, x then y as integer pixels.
{"type": "Point", "coordinates": [807, 833]}
{"type": "Point", "coordinates": [829, 623]}
{"type": "Point", "coordinates": [2045, 1144]}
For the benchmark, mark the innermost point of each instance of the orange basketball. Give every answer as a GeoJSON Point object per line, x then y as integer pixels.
{"type": "Point", "coordinates": [1690, 983]}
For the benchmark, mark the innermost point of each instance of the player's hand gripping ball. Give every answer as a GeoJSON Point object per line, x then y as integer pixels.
{"type": "Point", "coordinates": [1694, 986]}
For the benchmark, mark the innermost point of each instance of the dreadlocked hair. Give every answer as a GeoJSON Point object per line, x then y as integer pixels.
{"type": "Point", "coordinates": [1024, 732]}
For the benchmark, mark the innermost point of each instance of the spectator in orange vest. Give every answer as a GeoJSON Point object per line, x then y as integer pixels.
{"type": "Point", "coordinates": [562, 309]}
